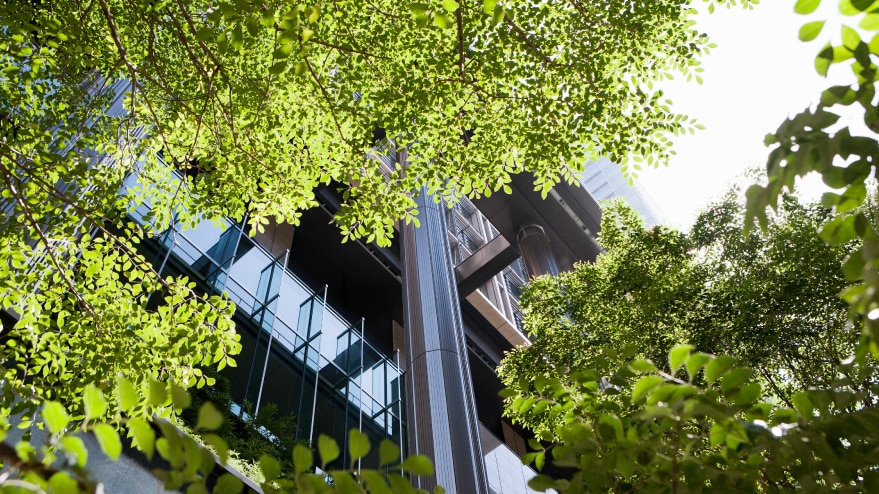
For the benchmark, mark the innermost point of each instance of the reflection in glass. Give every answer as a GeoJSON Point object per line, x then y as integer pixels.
{"type": "Point", "coordinates": [297, 353]}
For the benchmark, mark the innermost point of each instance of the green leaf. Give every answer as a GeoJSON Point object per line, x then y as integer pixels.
{"type": "Point", "coordinates": [695, 364]}
{"type": "Point", "coordinates": [76, 450]}
{"type": "Point", "coordinates": [870, 22]}
{"type": "Point", "coordinates": [614, 423]}
{"type": "Point", "coordinates": [218, 444]}
{"type": "Point", "coordinates": [197, 487]}
{"type": "Point", "coordinates": [417, 465]}
{"type": "Point", "coordinates": [328, 450]}
{"type": "Point", "coordinates": [270, 467]}
{"type": "Point", "coordinates": [278, 67]}
{"type": "Point", "coordinates": [850, 38]}
{"type": "Point", "coordinates": [442, 21]}
{"type": "Point", "coordinates": [718, 367]}
{"type": "Point", "coordinates": [61, 483]}
{"type": "Point", "coordinates": [302, 459]}
{"type": "Point", "coordinates": [839, 230]}
{"type": "Point", "coordinates": [209, 418]}
{"type": "Point", "coordinates": [642, 366]}
{"type": "Point", "coordinates": [862, 5]}
{"type": "Point", "coordinates": [228, 484]}
{"type": "Point", "coordinates": [497, 14]}
{"type": "Point", "coordinates": [375, 482]}
{"type": "Point", "coordinates": [853, 267]}
{"type": "Point", "coordinates": [542, 483]}
{"type": "Point", "coordinates": [874, 45]}
{"type": "Point", "coordinates": [314, 14]}
{"type": "Point", "coordinates": [236, 41]}
{"type": "Point", "coordinates": [144, 436]}
{"type": "Point", "coordinates": [852, 198]}
{"type": "Point", "coordinates": [55, 416]}
{"type": "Point", "coordinates": [678, 356]}
{"type": "Point", "coordinates": [344, 482]}
{"type": "Point", "coordinates": [718, 434]}
{"type": "Point", "coordinates": [127, 394]}
{"type": "Point", "coordinates": [180, 397]}
{"type": "Point", "coordinates": [283, 51]}
{"type": "Point", "coordinates": [92, 270]}
{"type": "Point", "coordinates": [488, 6]}
{"type": "Point", "coordinates": [749, 394]}
{"type": "Point", "coordinates": [158, 393]}
{"type": "Point", "coordinates": [108, 438]}
{"type": "Point", "coordinates": [418, 9]}
{"type": "Point", "coordinates": [803, 405]}
{"type": "Point", "coordinates": [95, 403]}
{"type": "Point", "coordinates": [803, 7]}
{"type": "Point", "coordinates": [734, 379]}
{"type": "Point", "coordinates": [811, 30]}
{"type": "Point", "coordinates": [358, 444]}
{"type": "Point", "coordinates": [838, 94]}
{"type": "Point", "coordinates": [388, 452]}
{"type": "Point", "coordinates": [824, 59]}
{"type": "Point", "coordinates": [645, 385]}
{"type": "Point", "coordinates": [450, 5]}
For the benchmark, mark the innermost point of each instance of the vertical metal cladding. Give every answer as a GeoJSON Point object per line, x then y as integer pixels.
{"type": "Point", "coordinates": [536, 252]}
{"type": "Point", "coordinates": [441, 413]}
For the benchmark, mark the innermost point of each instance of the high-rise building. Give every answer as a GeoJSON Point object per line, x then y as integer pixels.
{"type": "Point", "coordinates": [400, 342]}
{"type": "Point", "coordinates": [604, 180]}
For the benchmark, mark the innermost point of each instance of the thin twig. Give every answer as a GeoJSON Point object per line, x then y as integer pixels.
{"type": "Point", "coordinates": [25, 210]}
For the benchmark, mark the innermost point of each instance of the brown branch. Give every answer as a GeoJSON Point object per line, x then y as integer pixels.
{"type": "Point", "coordinates": [9, 457]}
{"type": "Point", "coordinates": [345, 49]}
{"type": "Point", "coordinates": [204, 47]}
{"type": "Point", "coordinates": [772, 384]}
{"type": "Point", "coordinates": [185, 40]}
{"type": "Point", "coordinates": [459, 14]}
{"type": "Point", "coordinates": [326, 96]}
{"type": "Point", "coordinates": [36, 226]}
{"type": "Point", "coordinates": [114, 33]}
{"type": "Point", "coordinates": [525, 39]}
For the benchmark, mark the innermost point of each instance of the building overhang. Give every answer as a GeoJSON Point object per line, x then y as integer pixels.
{"type": "Point", "coordinates": [569, 215]}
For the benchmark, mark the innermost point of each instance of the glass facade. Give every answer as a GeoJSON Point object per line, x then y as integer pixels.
{"type": "Point", "coordinates": [297, 352]}
{"type": "Point", "coordinates": [604, 180]}
{"type": "Point", "coordinates": [505, 471]}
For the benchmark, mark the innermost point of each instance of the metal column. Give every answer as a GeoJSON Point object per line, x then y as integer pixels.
{"type": "Point", "coordinates": [536, 252]}
{"type": "Point", "coordinates": [442, 421]}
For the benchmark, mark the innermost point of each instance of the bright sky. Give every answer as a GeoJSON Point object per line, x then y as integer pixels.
{"type": "Point", "coordinates": [759, 74]}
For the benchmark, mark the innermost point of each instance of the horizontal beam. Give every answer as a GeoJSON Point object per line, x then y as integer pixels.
{"type": "Point", "coordinates": [483, 264]}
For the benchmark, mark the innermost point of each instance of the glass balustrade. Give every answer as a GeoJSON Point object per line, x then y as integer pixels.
{"type": "Point", "coordinates": [297, 352]}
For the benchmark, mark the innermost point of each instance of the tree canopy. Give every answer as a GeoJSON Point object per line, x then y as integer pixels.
{"type": "Point", "coordinates": [264, 101]}
{"type": "Point", "coordinates": [767, 298]}
{"type": "Point", "coordinates": [257, 104]}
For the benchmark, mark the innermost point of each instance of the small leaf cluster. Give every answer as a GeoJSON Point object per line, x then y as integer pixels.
{"type": "Point", "coordinates": [60, 464]}
{"type": "Point", "coordinates": [639, 429]}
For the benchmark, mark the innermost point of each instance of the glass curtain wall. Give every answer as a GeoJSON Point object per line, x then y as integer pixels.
{"type": "Point", "coordinates": [297, 352]}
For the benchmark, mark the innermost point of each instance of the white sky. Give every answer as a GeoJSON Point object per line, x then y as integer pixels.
{"type": "Point", "coordinates": [759, 74]}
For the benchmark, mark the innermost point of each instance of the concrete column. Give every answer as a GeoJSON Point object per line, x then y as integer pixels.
{"type": "Point", "coordinates": [536, 252]}
{"type": "Point", "coordinates": [442, 421]}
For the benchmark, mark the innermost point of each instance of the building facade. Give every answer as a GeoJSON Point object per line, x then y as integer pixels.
{"type": "Point", "coordinates": [604, 180]}
{"type": "Point", "coordinates": [400, 342]}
